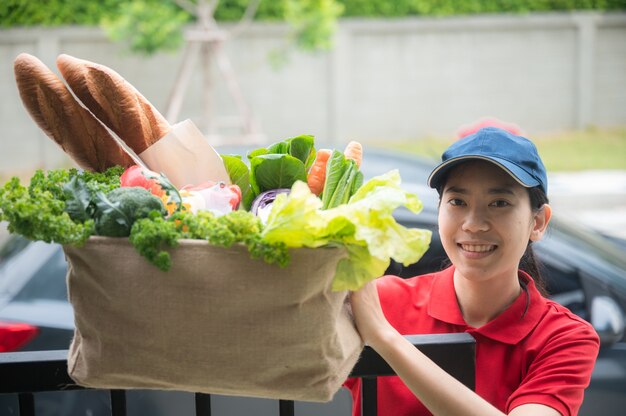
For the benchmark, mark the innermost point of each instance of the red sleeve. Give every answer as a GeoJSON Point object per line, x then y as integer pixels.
{"type": "Point", "coordinates": [354, 385]}
{"type": "Point", "coordinates": [560, 372]}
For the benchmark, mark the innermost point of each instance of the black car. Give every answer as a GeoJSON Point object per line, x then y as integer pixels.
{"type": "Point", "coordinates": [585, 271]}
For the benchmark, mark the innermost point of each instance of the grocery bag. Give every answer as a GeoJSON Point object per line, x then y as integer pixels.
{"type": "Point", "coordinates": [217, 322]}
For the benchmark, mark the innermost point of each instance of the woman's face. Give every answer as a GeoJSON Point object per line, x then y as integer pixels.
{"type": "Point", "coordinates": [486, 221]}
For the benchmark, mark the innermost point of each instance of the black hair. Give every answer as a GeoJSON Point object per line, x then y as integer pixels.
{"type": "Point", "coordinates": [528, 263]}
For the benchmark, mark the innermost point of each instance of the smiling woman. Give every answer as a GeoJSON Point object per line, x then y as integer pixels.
{"type": "Point", "coordinates": [486, 223]}
{"type": "Point", "coordinates": [533, 356]}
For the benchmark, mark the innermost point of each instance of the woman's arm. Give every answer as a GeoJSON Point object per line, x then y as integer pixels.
{"type": "Point", "coordinates": [441, 393]}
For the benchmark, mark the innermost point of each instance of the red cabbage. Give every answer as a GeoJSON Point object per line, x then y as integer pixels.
{"type": "Point", "coordinates": [265, 199]}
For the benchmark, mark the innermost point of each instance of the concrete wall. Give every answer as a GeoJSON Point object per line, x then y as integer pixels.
{"type": "Point", "coordinates": [385, 79]}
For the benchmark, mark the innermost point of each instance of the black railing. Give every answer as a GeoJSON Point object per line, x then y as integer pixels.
{"type": "Point", "coordinates": [28, 373]}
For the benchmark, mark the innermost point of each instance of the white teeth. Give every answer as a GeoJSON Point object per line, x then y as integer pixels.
{"type": "Point", "coordinates": [477, 248]}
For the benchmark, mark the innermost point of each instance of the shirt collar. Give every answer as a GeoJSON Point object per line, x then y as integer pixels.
{"type": "Point", "coordinates": [510, 327]}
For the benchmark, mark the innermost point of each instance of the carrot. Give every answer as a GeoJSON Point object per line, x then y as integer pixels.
{"type": "Point", "coordinates": [317, 174]}
{"type": "Point", "coordinates": [354, 151]}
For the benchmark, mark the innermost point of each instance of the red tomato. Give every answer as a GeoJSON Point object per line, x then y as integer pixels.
{"type": "Point", "coordinates": [135, 176]}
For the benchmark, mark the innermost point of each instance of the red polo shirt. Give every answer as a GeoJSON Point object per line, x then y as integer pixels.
{"type": "Point", "coordinates": [536, 351]}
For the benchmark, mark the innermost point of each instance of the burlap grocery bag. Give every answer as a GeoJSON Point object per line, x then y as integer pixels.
{"type": "Point", "coordinates": [217, 322]}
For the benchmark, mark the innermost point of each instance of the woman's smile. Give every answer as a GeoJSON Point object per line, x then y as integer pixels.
{"type": "Point", "coordinates": [477, 251]}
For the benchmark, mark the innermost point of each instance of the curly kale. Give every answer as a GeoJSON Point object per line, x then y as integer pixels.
{"type": "Point", "coordinates": [102, 181]}
{"type": "Point", "coordinates": [270, 252]}
{"type": "Point", "coordinates": [247, 228]}
{"type": "Point", "coordinates": [37, 214]}
{"type": "Point", "coordinates": [151, 236]}
{"type": "Point", "coordinates": [51, 182]}
{"type": "Point", "coordinates": [39, 211]}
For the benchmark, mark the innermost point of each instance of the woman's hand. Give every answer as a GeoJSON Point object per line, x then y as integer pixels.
{"type": "Point", "coordinates": [368, 315]}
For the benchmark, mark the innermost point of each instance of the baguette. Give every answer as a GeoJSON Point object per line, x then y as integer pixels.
{"type": "Point", "coordinates": [64, 120]}
{"type": "Point", "coordinates": [115, 102]}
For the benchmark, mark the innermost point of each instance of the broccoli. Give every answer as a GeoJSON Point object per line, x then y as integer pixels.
{"type": "Point", "coordinates": [117, 211]}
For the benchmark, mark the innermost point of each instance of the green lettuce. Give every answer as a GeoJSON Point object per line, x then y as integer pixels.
{"type": "Point", "coordinates": [365, 226]}
{"type": "Point", "coordinates": [239, 174]}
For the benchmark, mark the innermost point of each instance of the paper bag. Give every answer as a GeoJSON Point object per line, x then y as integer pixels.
{"type": "Point", "coordinates": [185, 156]}
{"type": "Point", "coordinates": [217, 322]}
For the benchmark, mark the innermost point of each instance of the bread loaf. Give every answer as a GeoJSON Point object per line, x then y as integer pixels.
{"type": "Point", "coordinates": [64, 120]}
{"type": "Point", "coordinates": [114, 101]}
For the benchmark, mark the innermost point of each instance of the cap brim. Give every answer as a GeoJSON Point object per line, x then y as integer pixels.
{"type": "Point", "coordinates": [517, 173]}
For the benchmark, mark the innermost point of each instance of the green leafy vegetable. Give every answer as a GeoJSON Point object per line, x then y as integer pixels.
{"type": "Point", "coordinates": [335, 168]}
{"type": "Point", "coordinates": [78, 200]}
{"type": "Point", "coordinates": [39, 211]}
{"type": "Point", "coordinates": [39, 215]}
{"type": "Point", "coordinates": [258, 152]}
{"type": "Point", "coordinates": [343, 190]}
{"type": "Point", "coordinates": [303, 148]}
{"type": "Point", "coordinates": [117, 211]}
{"type": "Point", "coordinates": [349, 277]}
{"type": "Point", "coordinates": [280, 148]}
{"type": "Point", "coordinates": [101, 181]}
{"type": "Point", "coordinates": [273, 171]}
{"type": "Point", "coordinates": [239, 174]}
{"type": "Point", "coordinates": [365, 226]}
{"type": "Point", "coordinates": [151, 236]}
{"type": "Point", "coordinates": [358, 182]}
{"type": "Point", "coordinates": [343, 178]}
{"type": "Point", "coordinates": [281, 164]}
{"type": "Point", "coordinates": [295, 219]}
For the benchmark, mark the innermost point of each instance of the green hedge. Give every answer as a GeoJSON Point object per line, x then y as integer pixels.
{"type": "Point", "coordinates": [397, 8]}
{"type": "Point", "coordinates": [148, 26]}
{"type": "Point", "coordinates": [56, 12]}
{"type": "Point", "coordinates": [91, 12]}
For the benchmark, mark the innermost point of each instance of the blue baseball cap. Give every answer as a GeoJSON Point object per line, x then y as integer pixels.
{"type": "Point", "coordinates": [517, 155]}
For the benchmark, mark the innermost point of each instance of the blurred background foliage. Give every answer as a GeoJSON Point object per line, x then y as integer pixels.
{"type": "Point", "coordinates": [90, 12]}
{"type": "Point", "coordinates": [397, 8]}
{"type": "Point", "coordinates": [149, 26]}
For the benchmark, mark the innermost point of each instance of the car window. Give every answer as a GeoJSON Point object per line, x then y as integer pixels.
{"type": "Point", "coordinates": [34, 271]}
{"type": "Point", "coordinates": [574, 257]}
{"type": "Point", "coordinates": [591, 242]}
{"type": "Point", "coordinates": [589, 252]}
{"type": "Point", "coordinates": [13, 246]}
{"type": "Point", "coordinates": [48, 281]}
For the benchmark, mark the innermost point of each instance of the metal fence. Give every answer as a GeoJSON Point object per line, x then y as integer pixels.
{"type": "Point", "coordinates": [28, 373]}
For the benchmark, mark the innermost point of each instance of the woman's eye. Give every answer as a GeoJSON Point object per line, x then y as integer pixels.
{"type": "Point", "coordinates": [456, 202]}
{"type": "Point", "coordinates": [500, 204]}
